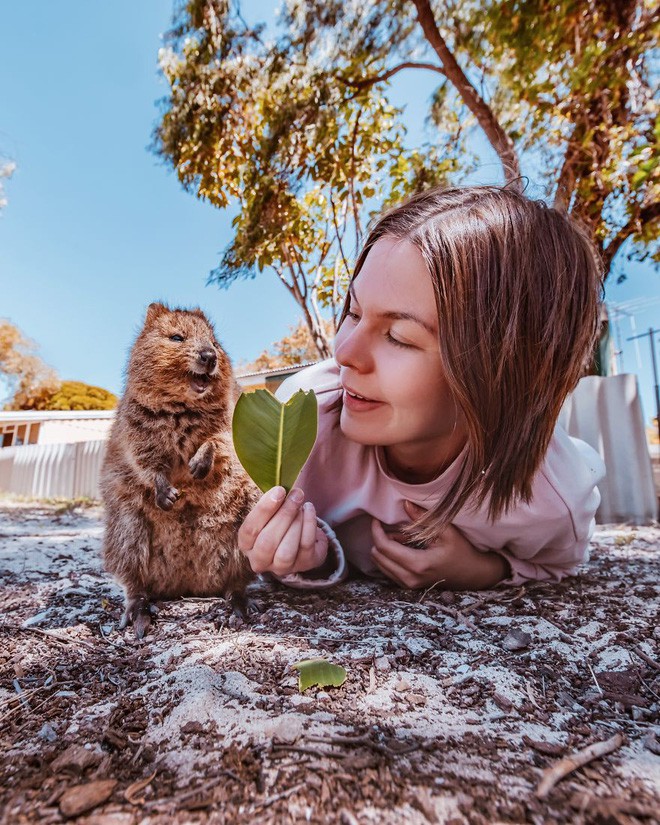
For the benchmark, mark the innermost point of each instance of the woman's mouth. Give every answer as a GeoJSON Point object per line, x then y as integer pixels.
{"type": "Point", "coordinates": [358, 403]}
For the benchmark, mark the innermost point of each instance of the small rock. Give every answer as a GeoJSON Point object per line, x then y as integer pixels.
{"type": "Point", "coordinates": [38, 618]}
{"type": "Point", "coordinates": [47, 732]}
{"type": "Point", "coordinates": [76, 758]}
{"type": "Point", "coordinates": [322, 695]}
{"type": "Point", "coordinates": [516, 640]}
{"type": "Point", "coordinates": [401, 685]}
{"type": "Point", "coordinates": [81, 798]}
{"type": "Point", "coordinates": [193, 727]}
{"type": "Point", "coordinates": [416, 698]}
{"type": "Point", "coordinates": [74, 591]}
{"type": "Point", "coordinates": [651, 743]}
{"type": "Point", "coordinates": [447, 598]}
{"type": "Point", "coordinates": [383, 663]}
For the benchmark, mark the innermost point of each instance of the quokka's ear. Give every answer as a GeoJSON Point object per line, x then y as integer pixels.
{"type": "Point", "coordinates": [154, 311]}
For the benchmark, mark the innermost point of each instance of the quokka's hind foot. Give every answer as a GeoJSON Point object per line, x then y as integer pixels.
{"type": "Point", "coordinates": [242, 610]}
{"type": "Point", "coordinates": [243, 607]}
{"type": "Point", "coordinates": [138, 613]}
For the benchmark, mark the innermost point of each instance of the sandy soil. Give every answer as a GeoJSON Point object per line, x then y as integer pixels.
{"type": "Point", "coordinates": [453, 710]}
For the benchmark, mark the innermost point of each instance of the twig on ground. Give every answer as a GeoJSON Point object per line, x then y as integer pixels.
{"type": "Point", "coordinates": [428, 590]}
{"type": "Point", "coordinates": [504, 596]}
{"type": "Point", "coordinates": [645, 657]}
{"type": "Point", "coordinates": [593, 676]}
{"type": "Point", "coordinates": [568, 764]}
{"type": "Point", "coordinates": [21, 694]}
{"type": "Point", "coordinates": [455, 614]}
{"type": "Point", "coordinates": [56, 636]}
{"type": "Point", "coordinates": [177, 799]}
{"type": "Point", "coordinates": [277, 747]}
{"type": "Point", "coordinates": [276, 798]}
{"type": "Point", "coordinates": [365, 739]}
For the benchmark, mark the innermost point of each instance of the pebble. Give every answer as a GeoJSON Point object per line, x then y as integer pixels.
{"type": "Point", "coordinates": [383, 663]}
{"type": "Point", "coordinates": [36, 619]}
{"type": "Point", "coordinates": [47, 732]}
{"type": "Point", "coordinates": [516, 640]}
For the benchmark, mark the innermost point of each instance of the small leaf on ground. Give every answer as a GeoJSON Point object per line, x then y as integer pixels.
{"type": "Point", "coordinates": [319, 672]}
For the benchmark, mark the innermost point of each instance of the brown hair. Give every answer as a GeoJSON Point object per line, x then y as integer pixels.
{"type": "Point", "coordinates": [517, 286]}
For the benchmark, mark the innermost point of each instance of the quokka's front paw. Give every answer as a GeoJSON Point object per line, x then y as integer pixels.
{"type": "Point", "coordinates": [200, 464]}
{"type": "Point", "coordinates": [166, 495]}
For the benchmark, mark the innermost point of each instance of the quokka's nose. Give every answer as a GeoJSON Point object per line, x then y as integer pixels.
{"type": "Point", "coordinates": [207, 357]}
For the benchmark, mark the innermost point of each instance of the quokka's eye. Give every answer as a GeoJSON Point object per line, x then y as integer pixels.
{"type": "Point", "coordinates": [176, 338]}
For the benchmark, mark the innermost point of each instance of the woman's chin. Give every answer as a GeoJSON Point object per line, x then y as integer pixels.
{"type": "Point", "coordinates": [360, 431]}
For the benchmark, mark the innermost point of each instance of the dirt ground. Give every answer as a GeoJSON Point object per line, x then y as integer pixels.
{"type": "Point", "coordinates": [454, 709]}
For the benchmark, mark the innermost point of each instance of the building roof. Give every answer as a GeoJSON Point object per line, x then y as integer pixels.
{"type": "Point", "coordinates": [277, 370]}
{"type": "Point", "coordinates": [8, 416]}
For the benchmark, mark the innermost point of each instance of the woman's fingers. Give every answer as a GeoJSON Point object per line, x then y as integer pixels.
{"type": "Point", "coordinates": [288, 548]}
{"type": "Point", "coordinates": [259, 516]}
{"type": "Point", "coordinates": [308, 557]}
{"type": "Point", "coordinates": [262, 536]}
{"type": "Point", "coordinates": [390, 568]}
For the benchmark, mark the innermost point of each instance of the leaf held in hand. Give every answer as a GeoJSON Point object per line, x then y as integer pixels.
{"type": "Point", "coordinates": [273, 440]}
{"type": "Point", "coordinates": [319, 672]}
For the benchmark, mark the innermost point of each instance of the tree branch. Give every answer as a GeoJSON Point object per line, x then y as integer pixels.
{"type": "Point", "coordinates": [498, 138]}
{"type": "Point", "coordinates": [647, 214]}
{"type": "Point", "coordinates": [409, 64]}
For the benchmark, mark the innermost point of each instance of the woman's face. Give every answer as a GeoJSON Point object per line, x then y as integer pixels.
{"type": "Point", "coordinates": [387, 350]}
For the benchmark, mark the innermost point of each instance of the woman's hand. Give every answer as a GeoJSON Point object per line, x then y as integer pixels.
{"type": "Point", "coordinates": [452, 562]}
{"type": "Point", "coordinates": [280, 534]}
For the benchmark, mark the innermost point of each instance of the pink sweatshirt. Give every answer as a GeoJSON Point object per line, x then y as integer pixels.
{"type": "Point", "coordinates": [349, 484]}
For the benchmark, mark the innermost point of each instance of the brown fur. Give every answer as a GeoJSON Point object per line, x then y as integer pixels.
{"type": "Point", "coordinates": [174, 490]}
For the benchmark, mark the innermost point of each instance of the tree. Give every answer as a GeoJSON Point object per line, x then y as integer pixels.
{"type": "Point", "coordinates": [297, 347]}
{"type": "Point", "coordinates": [26, 375]}
{"type": "Point", "coordinates": [301, 153]}
{"type": "Point", "coordinates": [74, 395]}
{"type": "Point", "coordinates": [35, 386]}
{"type": "Point", "coordinates": [301, 132]}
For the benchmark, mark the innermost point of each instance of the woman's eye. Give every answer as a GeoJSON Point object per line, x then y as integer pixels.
{"type": "Point", "coordinates": [176, 338]}
{"type": "Point", "coordinates": [398, 343]}
{"type": "Point", "coordinates": [352, 315]}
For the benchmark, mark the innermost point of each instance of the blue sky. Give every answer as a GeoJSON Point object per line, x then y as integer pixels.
{"type": "Point", "coordinates": [96, 227]}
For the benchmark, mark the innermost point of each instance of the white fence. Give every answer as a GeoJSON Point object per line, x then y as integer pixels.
{"type": "Point", "coordinates": [53, 470]}
{"type": "Point", "coordinates": [604, 412]}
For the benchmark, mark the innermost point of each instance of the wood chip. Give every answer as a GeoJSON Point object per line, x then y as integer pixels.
{"type": "Point", "coordinates": [576, 760]}
{"type": "Point", "coordinates": [81, 798]}
{"type": "Point", "coordinates": [76, 758]}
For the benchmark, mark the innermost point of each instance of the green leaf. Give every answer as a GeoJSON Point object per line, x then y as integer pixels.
{"type": "Point", "coordinates": [273, 440]}
{"type": "Point", "coordinates": [319, 672]}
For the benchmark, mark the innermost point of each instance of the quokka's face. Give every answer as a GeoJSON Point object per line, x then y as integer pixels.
{"type": "Point", "coordinates": [177, 357]}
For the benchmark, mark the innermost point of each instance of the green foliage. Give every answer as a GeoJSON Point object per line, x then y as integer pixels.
{"type": "Point", "coordinates": [273, 440]}
{"type": "Point", "coordinates": [301, 132]}
{"type": "Point", "coordinates": [319, 672]}
{"type": "Point", "coordinates": [74, 395]}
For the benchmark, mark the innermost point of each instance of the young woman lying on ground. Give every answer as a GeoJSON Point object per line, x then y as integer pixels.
{"type": "Point", "coordinates": [472, 313]}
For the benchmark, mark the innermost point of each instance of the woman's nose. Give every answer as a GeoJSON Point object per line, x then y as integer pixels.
{"type": "Point", "coordinates": [351, 349]}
